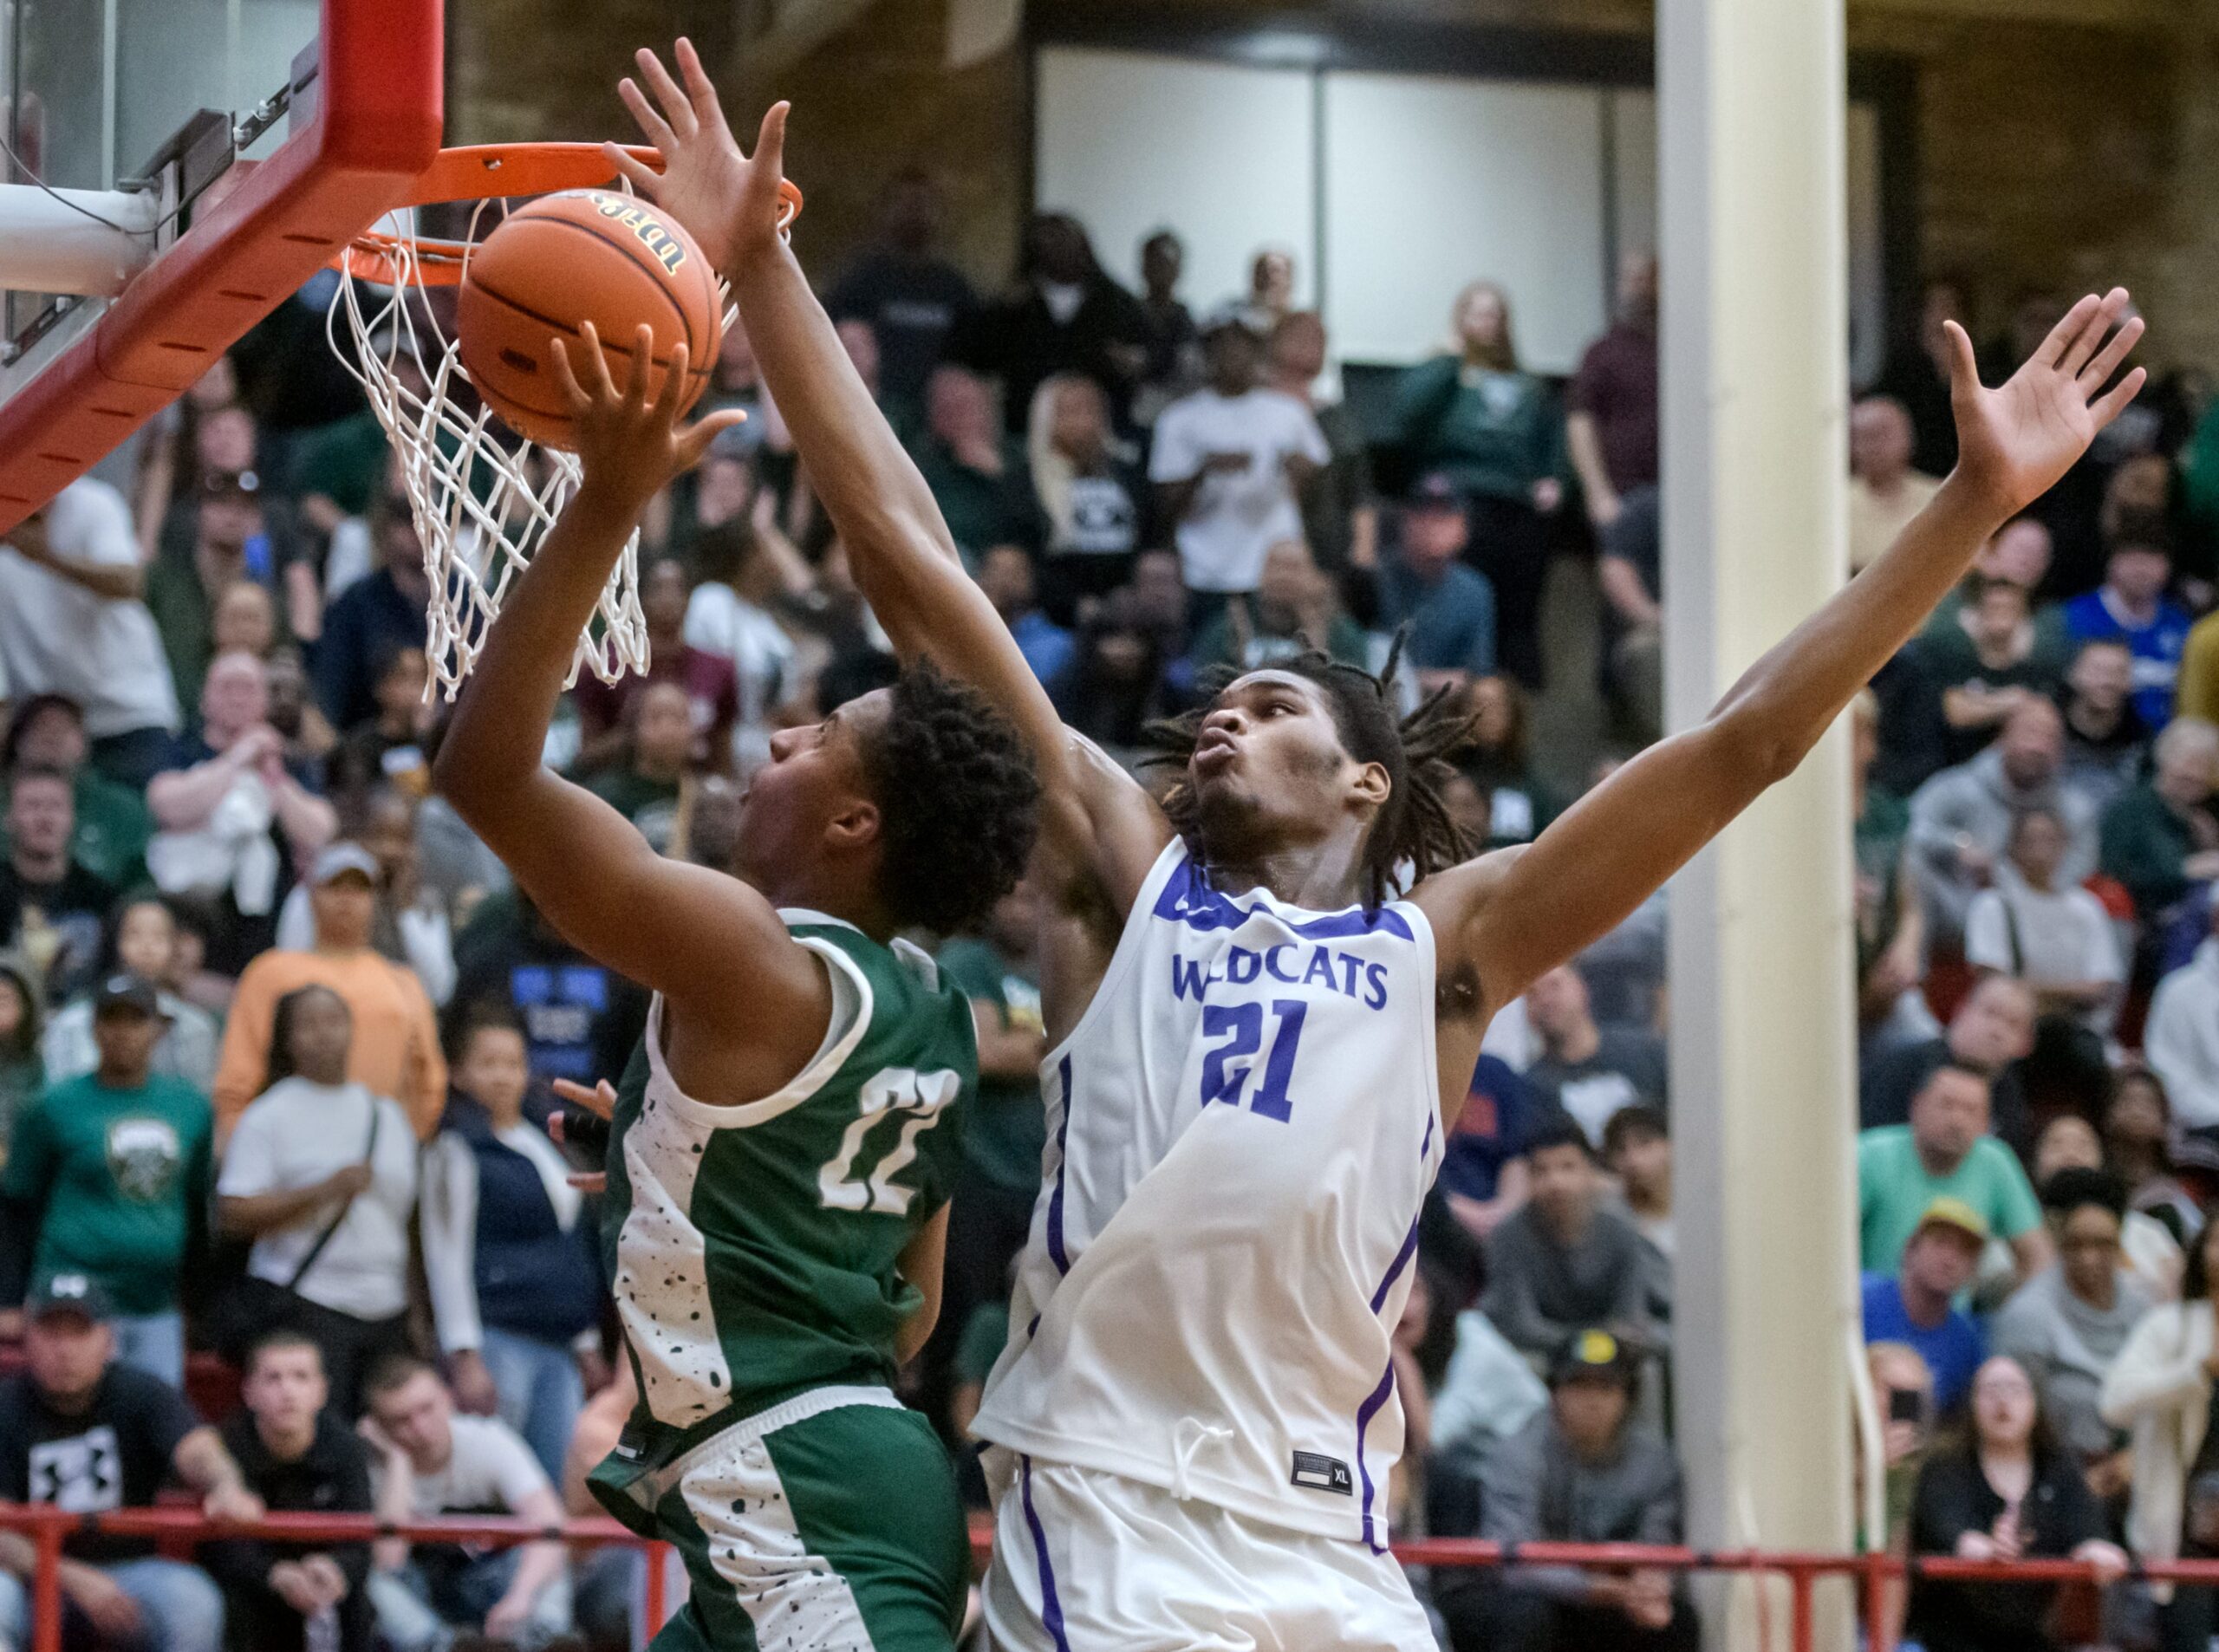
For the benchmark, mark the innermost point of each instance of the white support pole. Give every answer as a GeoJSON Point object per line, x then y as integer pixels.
{"type": "Point", "coordinates": [87, 242]}
{"type": "Point", "coordinates": [1752, 96]}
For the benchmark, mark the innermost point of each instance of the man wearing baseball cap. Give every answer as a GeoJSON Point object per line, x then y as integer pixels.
{"type": "Point", "coordinates": [1449, 607]}
{"type": "Point", "coordinates": [396, 1045]}
{"type": "Point", "coordinates": [1917, 1303]}
{"type": "Point", "coordinates": [108, 1177]}
{"type": "Point", "coordinates": [1582, 1471]}
{"type": "Point", "coordinates": [81, 1431]}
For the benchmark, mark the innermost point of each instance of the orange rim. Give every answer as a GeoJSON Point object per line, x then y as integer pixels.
{"type": "Point", "coordinates": [493, 171]}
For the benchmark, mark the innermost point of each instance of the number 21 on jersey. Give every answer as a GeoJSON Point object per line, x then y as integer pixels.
{"type": "Point", "coordinates": [1241, 1026]}
{"type": "Point", "coordinates": [917, 1099]}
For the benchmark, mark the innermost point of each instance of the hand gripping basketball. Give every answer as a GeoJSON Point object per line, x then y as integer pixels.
{"type": "Point", "coordinates": [734, 206]}
{"type": "Point", "coordinates": [630, 440]}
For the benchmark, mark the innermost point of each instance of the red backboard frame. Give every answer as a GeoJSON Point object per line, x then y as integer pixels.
{"type": "Point", "coordinates": [376, 126]}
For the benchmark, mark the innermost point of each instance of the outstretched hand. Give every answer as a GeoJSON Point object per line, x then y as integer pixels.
{"type": "Point", "coordinates": [2015, 442]}
{"type": "Point", "coordinates": [729, 203]}
{"type": "Point", "coordinates": [631, 443]}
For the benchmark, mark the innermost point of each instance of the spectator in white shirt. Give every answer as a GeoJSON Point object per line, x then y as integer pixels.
{"type": "Point", "coordinates": [1884, 493]}
{"type": "Point", "coordinates": [321, 1173]}
{"type": "Point", "coordinates": [745, 565]}
{"type": "Point", "coordinates": [1230, 463]}
{"type": "Point", "coordinates": [2182, 1037]}
{"type": "Point", "coordinates": [428, 1461]}
{"type": "Point", "coordinates": [2058, 941]}
{"type": "Point", "coordinates": [72, 623]}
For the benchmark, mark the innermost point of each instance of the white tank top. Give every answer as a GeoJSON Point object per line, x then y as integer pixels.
{"type": "Point", "coordinates": [1241, 1129]}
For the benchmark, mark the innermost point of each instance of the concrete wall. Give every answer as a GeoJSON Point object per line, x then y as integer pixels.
{"type": "Point", "coordinates": [2051, 153]}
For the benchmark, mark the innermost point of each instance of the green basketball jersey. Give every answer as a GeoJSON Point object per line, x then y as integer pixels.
{"type": "Point", "coordinates": [752, 1248]}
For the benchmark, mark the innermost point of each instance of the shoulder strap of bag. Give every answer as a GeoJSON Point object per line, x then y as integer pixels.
{"type": "Point", "coordinates": [369, 1157]}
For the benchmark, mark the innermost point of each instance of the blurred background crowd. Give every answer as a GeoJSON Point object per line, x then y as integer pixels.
{"type": "Point", "coordinates": [276, 1034]}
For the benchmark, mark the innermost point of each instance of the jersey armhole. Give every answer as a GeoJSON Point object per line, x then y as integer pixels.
{"type": "Point", "coordinates": [852, 1002]}
{"type": "Point", "coordinates": [1131, 941]}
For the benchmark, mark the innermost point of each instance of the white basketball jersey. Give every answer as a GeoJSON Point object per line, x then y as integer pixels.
{"type": "Point", "coordinates": [1242, 1127]}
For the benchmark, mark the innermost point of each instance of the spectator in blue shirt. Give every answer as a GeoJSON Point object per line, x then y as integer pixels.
{"type": "Point", "coordinates": [1917, 1305]}
{"type": "Point", "coordinates": [1005, 575]}
{"type": "Point", "coordinates": [378, 613]}
{"type": "Point", "coordinates": [1449, 607]}
{"type": "Point", "coordinates": [2130, 607]}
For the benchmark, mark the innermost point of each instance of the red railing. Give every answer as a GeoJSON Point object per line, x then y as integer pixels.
{"type": "Point", "coordinates": [1802, 1571]}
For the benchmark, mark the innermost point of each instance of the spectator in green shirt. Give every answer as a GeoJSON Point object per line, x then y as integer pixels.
{"type": "Point", "coordinates": [108, 1176]}
{"type": "Point", "coordinates": [1945, 1152]}
{"type": "Point", "coordinates": [1496, 432]}
{"type": "Point", "coordinates": [646, 790]}
{"type": "Point", "coordinates": [1002, 1147]}
{"type": "Point", "coordinates": [109, 838]}
{"type": "Point", "coordinates": [1295, 609]}
{"type": "Point", "coordinates": [2161, 837]}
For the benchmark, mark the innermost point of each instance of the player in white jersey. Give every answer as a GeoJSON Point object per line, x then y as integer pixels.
{"type": "Point", "coordinates": [1256, 1051]}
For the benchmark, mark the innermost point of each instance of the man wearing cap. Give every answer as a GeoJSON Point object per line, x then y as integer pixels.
{"type": "Point", "coordinates": [1230, 463]}
{"type": "Point", "coordinates": [1448, 605]}
{"type": "Point", "coordinates": [1917, 1305]}
{"type": "Point", "coordinates": [107, 1177]}
{"type": "Point", "coordinates": [83, 1433]}
{"type": "Point", "coordinates": [1945, 1152]}
{"type": "Point", "coordinates": [1582, 1471]}
{"type": "Point", "coordinates": [396, 1044]}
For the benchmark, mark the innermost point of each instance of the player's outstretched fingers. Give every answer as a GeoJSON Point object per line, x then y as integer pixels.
{"type": "Point", "coordinates": [672, 398]}
{"type": "Point", "coordinates": [600, 1100]}
{"type": "Point", "coordinates": [2109, 309]}
{"type": "Point", "coordinates": [2098, 372]}
{"type": "Point", "coordinates": [677, 110]}
{"type": "Point", "coordinates": [566, 376]}
{"type": "Point", "coordinates": [653, 127]}
{"type": "Point", "coordinates": [700, 90]}
{"type": "Point", "coordinates": [2125, 390]}
{"type": "Point", "coordinates": [643, 358]}
{"type": "Point", "coordinates": [642, 176]}
{"type": "Point", "coordinates": [2052, 348]}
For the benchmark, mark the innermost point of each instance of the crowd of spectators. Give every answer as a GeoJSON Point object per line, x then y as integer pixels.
{"type": "Point", "coordinates": [276, 1035]}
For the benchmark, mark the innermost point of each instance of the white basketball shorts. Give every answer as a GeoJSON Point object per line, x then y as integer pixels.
{"type": "Point", "coordinates": [1089, 1562]}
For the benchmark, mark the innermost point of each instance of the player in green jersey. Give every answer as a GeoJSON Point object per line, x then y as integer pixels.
{"type": "Point", "coordinates": [786, 1136]}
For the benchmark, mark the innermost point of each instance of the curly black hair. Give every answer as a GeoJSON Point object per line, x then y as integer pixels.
{"type": "Point", "coordinates": [1414, 827]}
{"type": "Point", "coordinates": [959, 802]}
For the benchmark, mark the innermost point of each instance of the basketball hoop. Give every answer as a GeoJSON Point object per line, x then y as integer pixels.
{"type": "Point", "coordinates": [481, 496]}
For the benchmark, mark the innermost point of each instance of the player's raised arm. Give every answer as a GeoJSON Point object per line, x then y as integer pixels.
{"type": "Point", "coordinates": [1514, 915]}
{"type": "Point", "coordinates": [1094, 819]}
{"type": "Point", "coordinates": [702, 937]}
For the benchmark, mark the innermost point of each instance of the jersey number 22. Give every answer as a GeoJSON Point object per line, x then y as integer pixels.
{"type": "Point", "coordinates": [917, 1099]}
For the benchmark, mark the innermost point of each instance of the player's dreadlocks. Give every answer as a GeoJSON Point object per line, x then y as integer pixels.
{"type": "Point", "coordinates": [959, 802]}
{"type": "Point", "coordinates": [1415, 824]}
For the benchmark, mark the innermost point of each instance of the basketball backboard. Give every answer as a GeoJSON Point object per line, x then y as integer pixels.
{"type": "Point", "coordinates": [245, 143]}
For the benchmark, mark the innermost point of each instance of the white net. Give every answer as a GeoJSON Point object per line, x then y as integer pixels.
{"type": "Point", "coordinates": [482, 496]}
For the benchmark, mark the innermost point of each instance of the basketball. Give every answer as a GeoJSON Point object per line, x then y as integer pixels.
{"type": "Point", "coordinates": [586, 255]}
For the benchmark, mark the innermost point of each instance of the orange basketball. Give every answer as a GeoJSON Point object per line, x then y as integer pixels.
{"type": "Point", "coordinates": [586, 255]}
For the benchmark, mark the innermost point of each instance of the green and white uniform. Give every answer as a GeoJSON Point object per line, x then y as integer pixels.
{"type": "Point", "coordinates": [754, 1250]}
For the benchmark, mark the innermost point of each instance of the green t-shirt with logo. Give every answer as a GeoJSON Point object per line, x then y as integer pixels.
{"type": "Point", "coordinates": [124, 1176]}
{"type": "Point", "coordinates": [1008, 1128]}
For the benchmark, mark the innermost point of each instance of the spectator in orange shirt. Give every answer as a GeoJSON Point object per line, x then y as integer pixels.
{"type": "Point", "coordinates": [396, 1045]}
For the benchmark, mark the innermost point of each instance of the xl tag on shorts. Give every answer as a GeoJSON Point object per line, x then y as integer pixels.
{"type": "Point", "coordinates": [1316, 1473]}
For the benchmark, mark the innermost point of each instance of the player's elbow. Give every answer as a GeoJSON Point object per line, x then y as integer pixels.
{"type": "Point", "coordinates": [1751, 752]}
